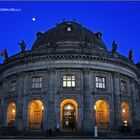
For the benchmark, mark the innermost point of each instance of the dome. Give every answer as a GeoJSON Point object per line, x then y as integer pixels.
{"type": "Point", "coordinates": [69, 33]}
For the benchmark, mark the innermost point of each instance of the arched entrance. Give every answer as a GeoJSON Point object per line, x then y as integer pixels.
{"type": "Point", "coordinates": [35, 114]}
{"type": "Point", "coordinates": [125, 113]}
{"type": "Point", "coordinates": [102, 114]}
{"type": "Point", "coordinates": [11, 114]}
{"type": "Point", "coordinates": [68, 114]}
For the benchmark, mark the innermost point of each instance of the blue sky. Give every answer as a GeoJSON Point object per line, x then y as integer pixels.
{"type": "Point", "coordinates": [118, 21]}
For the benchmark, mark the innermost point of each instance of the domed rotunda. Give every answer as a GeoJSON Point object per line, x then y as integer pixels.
{"type": "Point", "coordinates": [71, 79]}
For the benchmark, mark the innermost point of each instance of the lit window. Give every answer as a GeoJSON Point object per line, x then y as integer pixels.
{"type": "Point", "coordinates": [68, 29]}
{"type": "Point", "coordinates": [12, 86]}
{"type": "Point", "coordinates": [11, 113]}
{"type": "Point", "coordinates": [37, 82]}
{"type": "Point", "coordinates": [123, 86]}
{"type": "Point", "coordinates": [100, 82]}
{"type": "Point", "coordinates": [68, 107]}
{"type": "Point", "coordinates": [68, 81]}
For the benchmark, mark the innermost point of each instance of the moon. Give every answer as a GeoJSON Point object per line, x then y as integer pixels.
{"type": "Point", "coordinates": [33, 19]}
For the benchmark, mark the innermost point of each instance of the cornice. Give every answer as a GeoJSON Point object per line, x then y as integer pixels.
{"type": "Point", "coordinates": [100, 56]}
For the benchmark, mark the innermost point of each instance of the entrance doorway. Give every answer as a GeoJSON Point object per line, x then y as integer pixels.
{"type": "Point", "coordinates": [35, 114]}
{"type": "Point", "coordinates": [68, 115]}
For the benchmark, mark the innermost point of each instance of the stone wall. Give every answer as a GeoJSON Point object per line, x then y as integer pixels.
{"type": "Point", "coordinates": [85, 93]}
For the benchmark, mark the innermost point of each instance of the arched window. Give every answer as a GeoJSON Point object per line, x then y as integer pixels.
{"type": "Point", "coordinates": [35, 114]}
{"type": "Point", "coordinates": [11, 113]}
{"type": "Point", "coordinates": [102, 114]}
{"type": "Point", "coordinates": [125, 113]}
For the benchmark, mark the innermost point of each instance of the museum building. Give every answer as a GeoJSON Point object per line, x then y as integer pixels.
{"type": "Point", "coordinates": [71, 79]}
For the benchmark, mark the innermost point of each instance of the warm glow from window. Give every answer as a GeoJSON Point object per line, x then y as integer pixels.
{"type": "Point", "coordinates": [35, 112]}
{"type": "Point", "coordinates": [11, 114]}
{"type": "Point", "coordinates": [13, 110]}
{"type": "Point", "coordinates": [42, 107]}
{"type": "Point", "coordinates": [125, 113]}
{"type": "Point", "coordinates": [125, 123]}
{"type": "Point", "coordinates": [101, 109]}
{"type": "Point", "coordinates": [69, 107]}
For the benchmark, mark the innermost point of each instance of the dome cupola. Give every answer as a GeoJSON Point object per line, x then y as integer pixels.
{"type": "Point", "coordinates": [69, 33]}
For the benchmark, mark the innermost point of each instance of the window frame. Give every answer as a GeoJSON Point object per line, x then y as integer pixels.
{"type": "Point", "coordinates": [69, 81]}
{"type": "Point", "coordinates": [123, 86]}
{"type": "Point", "coordinates": [37, 82]}
{"type": "Point", "coordinates": [100, 84]}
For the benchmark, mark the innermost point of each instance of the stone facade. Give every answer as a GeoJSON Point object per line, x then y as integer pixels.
{"type": "Point", "coordinates": [85, 63]}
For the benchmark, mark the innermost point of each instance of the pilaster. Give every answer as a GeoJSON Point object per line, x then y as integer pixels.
{"type": "Point", "coordinates": [87, 109]}
{"type": "Point", "coordinates": [19, 104]}
{"type": "Point", "coordinates": [117, 101]}
{"type": "Point", "coordinates": [3, 103]}
{"type": "Point", "coordinates": [51, 100]}
{"type": "Point", "coordinates": [134, 105]}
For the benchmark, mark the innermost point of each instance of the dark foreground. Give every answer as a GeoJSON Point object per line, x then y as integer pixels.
{"type": "Point", "coordinates": [37, 134]}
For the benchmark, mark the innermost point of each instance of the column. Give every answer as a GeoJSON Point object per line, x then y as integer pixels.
{"type": "Point", "coordinates": [19, 104]}
{"type": "Point", "coordinates": [134, 105]}
{"type": "Point", "coordinates": [3, 104]}
{"type": "Point", "coordinates": [87, 109]}
{"type": "Point", "coordinates": [25, 101]}
{"type": "Point", "coordinates": [51, 100]}
{"type": "Point", "coordinates": [117, 101]}
{"type": "Point", "coordinates": [2, 112]}
{"type": "Point", "coordinates": [45, 97]}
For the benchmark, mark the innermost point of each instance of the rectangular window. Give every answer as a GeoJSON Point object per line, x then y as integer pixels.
{"type": "Point", "coordinates": [100, 82]}
{"type": "Point", "coordinates": [123, 86]}
{"type": "Point", "coordinates": [37, 82]}
{"type": "Point", "coordinates": [68, 81]}
{"type": "Point", "coordinates": [12, 86]}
